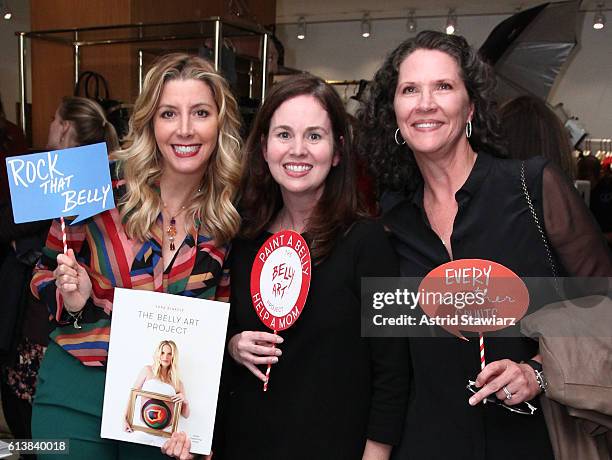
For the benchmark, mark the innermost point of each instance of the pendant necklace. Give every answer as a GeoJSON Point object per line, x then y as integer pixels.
{"type": "Point", "coordinates": [171, 230]}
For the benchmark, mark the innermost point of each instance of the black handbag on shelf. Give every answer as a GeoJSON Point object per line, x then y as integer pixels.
{"type": "Point", "coordinates": [93, 85]}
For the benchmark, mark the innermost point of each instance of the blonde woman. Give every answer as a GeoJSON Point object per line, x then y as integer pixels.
{"type": "Point", "coordinates": [80, 121]}
{"type": "Point", "coordinates": [175, 180]}
{"type": "Point", "coordinates": [162, 377]}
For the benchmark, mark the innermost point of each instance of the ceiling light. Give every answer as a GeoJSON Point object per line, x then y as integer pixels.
{"type": "Point", "coordinates": [599, 20]}
{"type": "Point", "coordinates": [366, 27]}
{"type": "Point", "coordinates": [411, 25]}
{"type": "Point", "coordinates": [451, 22]}
{"type": "Point", "coordinates": [6, 12]}
{"type": "Point", "coordinates": [301, 28]}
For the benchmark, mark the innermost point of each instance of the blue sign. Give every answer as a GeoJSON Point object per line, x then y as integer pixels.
{"type": "Point", "coordinates": [69, 182]}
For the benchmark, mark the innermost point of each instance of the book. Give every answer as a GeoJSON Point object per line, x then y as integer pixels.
{"type": "Point", "coordinates": [164, 367]}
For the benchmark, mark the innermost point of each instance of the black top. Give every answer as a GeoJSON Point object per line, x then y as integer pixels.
{"type": "Point", "coordinates": [493, 222]}
{"type": "Point", "coordinates": [331, 389]}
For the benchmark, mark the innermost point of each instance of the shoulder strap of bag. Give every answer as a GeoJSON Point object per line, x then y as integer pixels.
{"type": "Point", "coordinates": [101, 81]}
{"type": "Point", "coordinates": [83, 79]}
{"type": "Point", "coordinates": [551, 261]}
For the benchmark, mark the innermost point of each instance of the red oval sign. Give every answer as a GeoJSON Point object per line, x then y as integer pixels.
{"type": "Point", "coordinates": [280, 279]}
{"type": "Point", "coordinates": [474, 295]}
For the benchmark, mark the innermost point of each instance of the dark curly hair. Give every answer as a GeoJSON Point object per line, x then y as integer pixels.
{"type": "Point", "coordinates": [393, 165]}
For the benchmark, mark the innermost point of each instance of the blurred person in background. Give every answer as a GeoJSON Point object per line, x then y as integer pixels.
{"type": "Point", "coordinates": [530, 128]}
{"type": "Point", "coordinates": [77, 121]}
{"type": "Point", "coordinates": [590, 169]}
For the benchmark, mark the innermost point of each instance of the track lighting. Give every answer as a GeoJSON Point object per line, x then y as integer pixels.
{"type": "Point", "coordinates": [411, 25]}
{"type": "Point", "coordinates": [599, 20]}
{"type": "Point", "coordinates": [366, 27]}
{"type": "Point", "coordinates": [301, 28]}
{"type": "Point", "coordinates": [451, 22]}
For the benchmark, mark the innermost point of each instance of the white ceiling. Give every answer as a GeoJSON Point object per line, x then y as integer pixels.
{"type": "Point", "coordinates": [288, 11]}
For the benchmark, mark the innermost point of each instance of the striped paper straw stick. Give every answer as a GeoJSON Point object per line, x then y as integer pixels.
{"type": "Point", "coordinates": [482, 357]}
{"type": "Point", "coordinates": [64, 235]}
{"type": "Point", "coordinates": [265, 388]}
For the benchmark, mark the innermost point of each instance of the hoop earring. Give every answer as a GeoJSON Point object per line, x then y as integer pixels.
{"type": "Point", "coordinates": [395, 137]}
{"type": "Point", "coordinates": [468, 129]}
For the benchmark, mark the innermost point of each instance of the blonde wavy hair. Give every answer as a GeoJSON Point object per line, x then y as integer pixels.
{"type": "Point", "coordinates": [140, 161]}
{"type": "Point", "coordinates": [173, 376]}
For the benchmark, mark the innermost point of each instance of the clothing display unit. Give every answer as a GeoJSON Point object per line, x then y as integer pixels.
{"type": "Point", "coordinates": [160, 38]}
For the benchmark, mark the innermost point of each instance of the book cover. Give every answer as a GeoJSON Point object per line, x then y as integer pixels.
{"type": "Point", "coordinates": [164, 367]}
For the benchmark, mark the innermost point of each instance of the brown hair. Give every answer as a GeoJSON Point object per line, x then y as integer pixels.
{"type": "Point", "coordinates": [89, 121]}
{"type": "Point", "coordinates": [531, 128]}
{"type": "Point", "coordinates": [338, 206]}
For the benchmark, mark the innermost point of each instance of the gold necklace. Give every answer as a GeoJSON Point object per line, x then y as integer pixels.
{"type": "Point", "coordinates": [171, 230]}
{"type": "Point", "coordinates": [285, 222]}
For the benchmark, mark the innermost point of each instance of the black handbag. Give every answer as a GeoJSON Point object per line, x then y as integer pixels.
{"type": "Point", "coordinates": [93, 85]}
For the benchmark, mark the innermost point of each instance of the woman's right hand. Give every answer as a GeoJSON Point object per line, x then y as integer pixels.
{"type": "Point", "coordinates": [73, 281]}
{"type": "Point", "coordinates": [252, 348]}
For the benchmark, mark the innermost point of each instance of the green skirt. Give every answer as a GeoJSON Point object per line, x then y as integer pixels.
{"type": "Point", "coordinates": [68, 405]}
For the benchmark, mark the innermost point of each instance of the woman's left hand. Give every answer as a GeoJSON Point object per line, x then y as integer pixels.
{"type": "Point", "coordinates": [179, 397]}
{"type": "Point", "coordinates": [518, 379]}
{"type": "Point", "coordinates": [178, 446]}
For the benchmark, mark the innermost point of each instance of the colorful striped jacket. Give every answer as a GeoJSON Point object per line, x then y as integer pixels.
{"type": "Point", "coordinates": [113, 260]}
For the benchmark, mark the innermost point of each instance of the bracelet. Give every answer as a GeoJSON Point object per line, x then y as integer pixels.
{"type": "Point", "coordinates": [76, 317]}
{"type": "Point", "coordinates": [539, 374]}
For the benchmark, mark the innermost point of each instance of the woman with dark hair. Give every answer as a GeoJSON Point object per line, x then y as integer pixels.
{"type": "Point", "coordinates": [531, 128]}
{"type": "Point", "coordinates": [334, 395]}
{"type": "Point", "coordinates": [430, 134]}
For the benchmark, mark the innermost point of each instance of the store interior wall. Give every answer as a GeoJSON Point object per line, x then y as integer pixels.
{"type": "Point", "coordinates": [336, 51]}
{"type": "Point", "coordinates": [9, 57]}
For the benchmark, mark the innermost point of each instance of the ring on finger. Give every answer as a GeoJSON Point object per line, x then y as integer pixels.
{"type": "Point", "coordinates": [507, 392]}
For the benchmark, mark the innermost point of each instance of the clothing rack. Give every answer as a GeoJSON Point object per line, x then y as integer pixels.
{"type": "Point", "coordinates": [594, 140]}
{"type": "Point", "coordinates": [214, 28]}
{"type": "Point", "coordinates": [599, 147]}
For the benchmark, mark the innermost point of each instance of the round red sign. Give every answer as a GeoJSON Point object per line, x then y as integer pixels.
{"type": "Point", "coordinates": [280, 279]}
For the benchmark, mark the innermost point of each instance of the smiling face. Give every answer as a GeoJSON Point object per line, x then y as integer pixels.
{"type": "Point", "coordinates": [165, 356]}
{"type": "Point", "coordinates": [299, 148]}
{"type": "Point", "coordinates": [186, 126]}
{"type": "Point", "coordinates": [431, 103]}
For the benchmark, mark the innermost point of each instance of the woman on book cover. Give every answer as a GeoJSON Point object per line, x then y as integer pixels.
{"type": "Point", "coordinates": [162, 377]}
